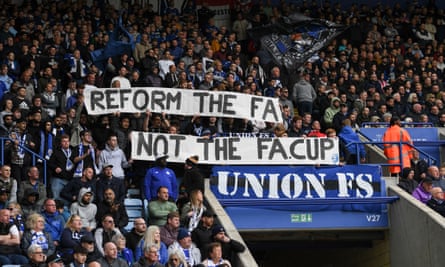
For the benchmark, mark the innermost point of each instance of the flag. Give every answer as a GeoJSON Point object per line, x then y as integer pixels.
{"type": "Point", "coordinates": [293, 40]}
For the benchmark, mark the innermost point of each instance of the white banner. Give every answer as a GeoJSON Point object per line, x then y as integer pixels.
{"type": "Point", "coordinates": [182, 102]}
{"type": "Point", "coordinates": [236, 150]}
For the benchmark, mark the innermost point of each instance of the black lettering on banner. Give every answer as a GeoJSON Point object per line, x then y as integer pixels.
{"type": "Point", "coordinates": [141, 93]}
{"type": "Point", "coordinates": [110, 99]}
{"type": "Point", "coordinates": [221, 146]}
{"type": "Point", "coordinates": [146, 145]}
{"type": "Point", "coordinates": [233, 149]}
{"type": "Point", "coordinates": [277, 147]}
{"type": "Point", "coordinates": [325, 145]}
{"type": "Point", "coordinates": [123, 93]}
{"type": "Point", "coordinates": [159, 142]}
{"type": "Point", "coordinates": [171, 98]}
{"type": "Point", "coordinates": [96, 97]}
{"type": "Point", "coordinates": [262, 146]}
{"type": "Point", "coordinates": [312, 150]}
{"type": "Point", "coordinates": [215, 100]}
{"type": "Point", "coordinates": [293, 149]}
{"type": "Point", "coordinates": [270, 109]}
{"type": "Point", "coordinates": [157, 98]}
{"type": "Point", "coordinates": [228, 104]}
{"type": "Point", "coordinates": [201, 96]}
{"type": "Point", "coordinates": [254, 106]}
{"type": "Point", "coordinates": [177, 139]}
{"type": "Point", "coordinates": [206, 143]}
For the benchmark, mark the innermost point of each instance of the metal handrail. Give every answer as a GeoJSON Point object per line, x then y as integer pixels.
{"type": "Point", "coordinates": [431, 160]}
{"type": "Point", "coordinates": [406, 124]}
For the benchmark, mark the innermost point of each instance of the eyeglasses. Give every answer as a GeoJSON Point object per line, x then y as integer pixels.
{"type": "Point", "coordinates": [174, 259]}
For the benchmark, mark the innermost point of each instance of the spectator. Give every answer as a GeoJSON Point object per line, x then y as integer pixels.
{"type": "Point", "coordinates": [71, 237]}
{"type": "Point", "coordinates": [114, 156]}
{"type": "Point", "coordinates": [176, 259]}
{"type": "Point", "coordinates": [136, 234]}
{"type": "Point", "coordinates": [29, 202]}
{"type": "Point", "coordinates": [105, 233]}
{"type": "Point", "coordinates": [61, 166]}
{"type": "Point", "coordinates": [392, 151]}
{"type": "Point", "coordinates": [169, 232]}
{"type": "Point", "coordinates": [84, 155]}
{"type": "Point", "coordinates": [423, 190]}
{"type": "Point", "coordinates": [122, 251]}
{"type": "Point", "coordinates": [192, 211]}
{"type": "Point", "coordinates": [70, 192]}
{"type": "Point", "coordinates": [87, 242]}
{"type": "Point", "coordinates": [434, 175]}
{"type": "Point", "coordinates": [54, 222]}
{"type": "Point", "coordinates": [54, 261]}
{"type": "Point", "coordinates": [152, 237]}
{"type": "Point", "coordinates": [108, 181]}
{"type": "Point", "coordinates": [79, 256]}
{"type": "Point", "coordinates": [202, 235]}
{"type": "Point", "coordinates": [229, 246]}
{"type": "Point", "coordinates": [160, 175]}
{"type": "Point", "coordinates": [351, 144]}
{"type": "Point", "coordinates": [111, 206]}
{"type": "Point", "coordinates": [10, 245]}
{"type": "Point", "coordinates": [110, 257]}
{"type": "Point", "coordinates": [214, 256]}
{"type": "Point", "coordinates": [150, 257]}
{"type": "Point", "coordinates": [193, 178]}
{"type": "Point", "coordinates": [161, 207]}
{"type": "Point", "coordinates": [304, 94]}
{"type": "Point", "coordinates": [437, 202]}
{"type": "Point", "coordinates": [35, 234]}
{"type": "Point", "coordinates": [407, 181]}
{"type": "Point", "coordinates": [36, 255]}
{"type": "Point", "coordinates": [185, 245]}
{"type": "Point", "coordinates": [85, 209]}
{"type": "Point", "coordinates": [8, 183]}
{"type": "Point", "coordinates": [420, 166]}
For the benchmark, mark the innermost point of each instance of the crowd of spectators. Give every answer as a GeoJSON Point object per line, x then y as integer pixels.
{"type": "Point", "coordinates": [389, 62]}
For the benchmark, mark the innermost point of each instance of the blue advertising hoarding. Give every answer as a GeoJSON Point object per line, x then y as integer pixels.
{"type": "Point", "coordinates": [301, 197]}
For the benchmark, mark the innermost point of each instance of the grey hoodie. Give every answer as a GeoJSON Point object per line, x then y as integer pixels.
{"type": "Point", "coordinates": [87, 212]}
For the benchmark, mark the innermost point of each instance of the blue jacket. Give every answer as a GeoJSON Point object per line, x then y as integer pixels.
{"type": "Point", "coordinates": [157, 177]}
{"type": "Point", "coordinates": [163, 252]}
{"type": "Point", "coordinates": [54, 224]}
{"type": "Point", "coordinates": [127, 255]}
{"type": "Point", "coordinates": [348, 136]}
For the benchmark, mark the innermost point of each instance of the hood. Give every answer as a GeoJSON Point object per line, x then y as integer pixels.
{"type": "Point", "coordinates": [82, 192]}
{"type": "Point", "coordinates": [108, 148]}
{"type": "Point", "coordinates": [334, 99]}
{"type": "Point", "coordinates": [31, 191]}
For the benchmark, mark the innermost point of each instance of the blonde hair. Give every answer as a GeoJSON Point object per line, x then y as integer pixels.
{"type": "Point", "coordinates": [149, 237]}
{"type": "Point", "coordinates": [32, 220]}
{"type": "Point", "coordinates": [70, 220]}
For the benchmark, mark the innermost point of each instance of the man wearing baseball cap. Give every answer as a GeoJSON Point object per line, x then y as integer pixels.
{"type": "Point", "coordinates": [229, 246]}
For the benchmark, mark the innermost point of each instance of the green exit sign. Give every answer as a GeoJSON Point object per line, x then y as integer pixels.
{"type": "Point", "coordinates": [301, 217]}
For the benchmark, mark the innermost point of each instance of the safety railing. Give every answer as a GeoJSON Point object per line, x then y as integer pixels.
{"type": "Point", "coordinates": [35, 158]}
{"type": "Point", "coordinates": [404, 124]}
{"type": "Point", "coordinates": [430, 159]}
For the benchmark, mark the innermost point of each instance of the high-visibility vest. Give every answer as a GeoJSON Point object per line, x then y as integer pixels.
{"type": "Point", "coordinates": [392, 151]}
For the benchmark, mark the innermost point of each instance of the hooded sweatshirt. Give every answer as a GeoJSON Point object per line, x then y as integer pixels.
{"type": "Point", "coordinates": [116, 157]}
{"type": "Point", "coordinates": [87, 212]}
{"type": "Point", "coordinates": [331, 111]}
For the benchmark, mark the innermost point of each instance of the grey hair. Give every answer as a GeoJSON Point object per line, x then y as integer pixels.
{"type": "Point", "coordinates": [32, 249]}
{"type": "Point", "coordinates": [148, 246]}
